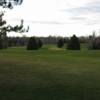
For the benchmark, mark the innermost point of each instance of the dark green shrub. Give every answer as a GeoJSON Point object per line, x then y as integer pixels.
{"type": "Point", "coordinates": [60, 43]}
{"type": "Point", "coordinates": [1, 44]}
{"type": "Point", "coordinates": [73, 43]}
{"type": "Point", "coordinates": [40, 43]}
{"type": "Point", "coordinates": [32, 44]}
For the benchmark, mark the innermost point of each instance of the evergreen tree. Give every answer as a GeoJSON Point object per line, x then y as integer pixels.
{"type": "Point", "coordinates": [40, 43]}
{"type": "Point", "coordinates": [73, 43]}
{"type": "Point", "coordinates": [1, 44]}
{"type": "Point", "coordinates": [32, 44]}
{"type": "Point", "coordinates": [60, 43]}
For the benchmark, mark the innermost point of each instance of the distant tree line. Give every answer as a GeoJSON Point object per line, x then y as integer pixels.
{"type": "Point", "coordinates": [35, 43]}
{"type": "Point", "coordinates": [94, 43]}
{"type": "Point", "coordinates": [17, 41]}
{"type": "Point", "coordinates": [70, 43]}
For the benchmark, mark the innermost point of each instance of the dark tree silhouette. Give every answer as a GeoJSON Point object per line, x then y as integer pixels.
{"type": "Point", "coordinates": [94, 43]}
{"type": "Point", "coordinates": [10, 3]}
{"type": "Point", "coordinates": [4, 29]}
{"type": "Point", "coordinates": [74, 43]}
{"type": "Point", "coordinates": [60, 43]}
{"type": "Point", "coordinates": [40, 43]}
{"type": "Point", "coordinates": [32, 44]}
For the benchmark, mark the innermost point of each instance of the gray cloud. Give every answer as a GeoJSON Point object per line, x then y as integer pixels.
{"type": "Point", "coordinates": [38, 22]}
{"type": "Point", "coordinates": [78, 18]}
{"type": "Point", "coordinates": [93, 7]}
{"type": "Point", "coordinates": [88, 14]}
{"type": "Point", "coordinates": [93, 22]}
{"type": "Point", "coordinates": [85, 20]}
{"type": "Point", "coordinates": [46, 22]}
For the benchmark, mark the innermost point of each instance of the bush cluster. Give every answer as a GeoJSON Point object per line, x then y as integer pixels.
{"type": "Point", "coordinates": [60, 43]}
{"type": "Point", "coordinates": [94, 43]}
{"type": "Point", "coordinates": [74, 43]}
{"type": "Point", "coordinates": [34, 43]}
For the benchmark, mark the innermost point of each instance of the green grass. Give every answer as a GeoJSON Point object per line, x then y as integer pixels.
{"type": "Point", "coordinates": [49, 74]}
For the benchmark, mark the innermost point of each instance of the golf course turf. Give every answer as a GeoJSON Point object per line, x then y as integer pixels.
{"type": "Point", "coordinates": [49, 74]}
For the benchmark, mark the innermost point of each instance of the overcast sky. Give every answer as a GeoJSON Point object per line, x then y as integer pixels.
{"type": "Point", "coordinates": [58, 17]}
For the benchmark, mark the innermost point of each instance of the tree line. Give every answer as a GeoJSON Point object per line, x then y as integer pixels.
{"type": "Point", "coordinates": [35, 43]}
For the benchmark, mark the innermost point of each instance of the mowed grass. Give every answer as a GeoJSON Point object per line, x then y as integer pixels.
{"type": "Point", "coordinates": [49, 74]}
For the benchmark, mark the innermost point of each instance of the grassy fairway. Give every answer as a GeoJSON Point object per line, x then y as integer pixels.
{"type": "Point", "coordinates": [49, 74]}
